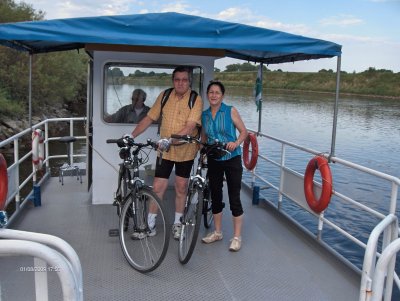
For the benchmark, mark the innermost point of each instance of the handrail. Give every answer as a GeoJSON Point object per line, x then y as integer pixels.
{"type": "Point", "coordinates": [387, 259]}
{"type": "Point", "coordinates": [28, 130]}
{"type": "Point", "coordinates": [333, 159]}
{"type": "Point", "coordinates": [69, 283]}
{"type": "Point", "coordinates": [15, 166]}
{"type": "Point", "coordinates": [368, 271]}
{"type": "Point", "coordinates": [285, 174]}
{"type": "Point", "coordinates": [50, 240]}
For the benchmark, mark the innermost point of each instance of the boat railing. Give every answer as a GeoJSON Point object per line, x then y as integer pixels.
{"type": "Point", "coordinates": [383, 272]}
{"type": "Point", "coordinates": [290, 186]}
{"type": "Point", "coordinates": [21, 187]}
{"type": "Point", "coordinates": [372, 277]}
{"type": "Point", "coordinates": [51, 254]}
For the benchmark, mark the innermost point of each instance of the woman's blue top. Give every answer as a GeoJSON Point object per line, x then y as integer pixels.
{"type": "Point", "coordinates": [220, 128]}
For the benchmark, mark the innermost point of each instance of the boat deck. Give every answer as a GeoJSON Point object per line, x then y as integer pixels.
{"type": "Point", "coordinates": [276, 262]}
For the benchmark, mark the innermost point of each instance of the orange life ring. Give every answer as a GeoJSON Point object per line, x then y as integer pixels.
{"type": "Point", "coordinates": [37, 148]}
{"type": "Point", "coordinates": [250, 163]}
{"type": "Point", "coordinates": [3, 182]}
{"type": "Point", "coordinates": [320, 163]}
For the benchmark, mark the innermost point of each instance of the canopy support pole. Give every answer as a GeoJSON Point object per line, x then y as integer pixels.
{"type": "Point", "coordinates": [333, 142]}
{"type": "Point", "coordinates": [30, 90]}
{"type": "Point", "coordinates": [259, 105]}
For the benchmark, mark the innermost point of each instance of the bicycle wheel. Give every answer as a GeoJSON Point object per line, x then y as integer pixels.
{"type": "Point", "coordinates": [207, 211]}
{"type": "Point", "coordinates": [148, 248]}
{"type": "Point", "coordinates": [190, 224]}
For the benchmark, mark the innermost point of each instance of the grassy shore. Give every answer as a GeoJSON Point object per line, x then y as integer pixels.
{"type": "Point", "coordinates": [374, 83]}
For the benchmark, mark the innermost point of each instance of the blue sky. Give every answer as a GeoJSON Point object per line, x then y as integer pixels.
{"type": "Point", "coordinates": [368, 30]}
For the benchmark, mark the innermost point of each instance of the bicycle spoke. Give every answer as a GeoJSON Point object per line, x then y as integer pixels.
{"type": "Point", "coordinates": [146, 251]}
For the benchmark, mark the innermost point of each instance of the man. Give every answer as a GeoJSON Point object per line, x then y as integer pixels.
{"type": "Point", "coordinates": [131, 113]}
{"type": "Point", "coordinates": [176, 118]}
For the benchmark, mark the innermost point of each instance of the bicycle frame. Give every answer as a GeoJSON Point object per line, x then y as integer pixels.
{"type": "Point", "coordinates": [195, 200]}
{"type": "Point", "coordinates": [144, 244]}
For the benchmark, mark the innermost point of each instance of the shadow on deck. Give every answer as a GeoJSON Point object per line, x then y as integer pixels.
{"type": "Point", "coordinates": [276, 262]}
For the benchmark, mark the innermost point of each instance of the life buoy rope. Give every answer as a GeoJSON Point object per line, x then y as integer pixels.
{"type": "Point", "coordinates": [3, 182]}
{"type": "Point", "coordinates": [37, 148]}
{"type": "Point", "coordinates": [250, 163]}
{"type": "Point", "coordinates": [322, 165]}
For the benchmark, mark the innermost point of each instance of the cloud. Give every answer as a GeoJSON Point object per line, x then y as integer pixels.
{"type": "Point", "coordinates": [180, 7]}
{"type": "Point", "coordinates": [72, 8]}
{"type": "Point", "coordinates": [246, 16]}
{"type": "Point", "coordinates": [341, 20]}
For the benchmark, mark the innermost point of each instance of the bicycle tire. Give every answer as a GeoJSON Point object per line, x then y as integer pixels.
{"type": "Point", "coordinates": [208, 216]}
{"type": "Point", "coordinates": [191, 221]}
{"type": "Point", "coordinates": [147, 253]}
{"type": "Point", "coordinates": [125, 178]}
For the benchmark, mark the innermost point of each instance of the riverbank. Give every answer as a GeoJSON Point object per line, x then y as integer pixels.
{"type": "Point", "coordinates": [12, 126]}
{"type": "Point", "coordinates": [342, 94]}
{"type": "Point", "coordinates": [371, 83]}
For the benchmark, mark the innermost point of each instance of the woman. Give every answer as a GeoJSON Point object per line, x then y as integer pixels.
{"type": "Point", "coordinates": [221, 121]}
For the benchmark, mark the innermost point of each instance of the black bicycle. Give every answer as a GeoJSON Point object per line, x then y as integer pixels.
{"type": "Point", "coordinates": [144, 239]}
{"type": "Point", "coordinates": [198, 200]}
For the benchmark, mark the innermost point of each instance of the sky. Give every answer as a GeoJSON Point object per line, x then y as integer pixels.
{"type": "Point", "coordinates": [368, 30]}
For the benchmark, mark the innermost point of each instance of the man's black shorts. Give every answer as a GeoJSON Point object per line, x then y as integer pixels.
{"type": "Point", "coordinates": [182, 169]}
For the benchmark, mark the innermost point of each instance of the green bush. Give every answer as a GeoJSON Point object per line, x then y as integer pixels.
{"type": "Point", "coordinates": [9, 108]}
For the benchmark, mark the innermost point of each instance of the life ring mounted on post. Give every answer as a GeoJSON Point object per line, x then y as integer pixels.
{"type": "Point", "coordinates": [320, 163]}
{"type": "Point", "coordinates": [3, 182]}
{"type": "Point", "coordinates": [37, 148]}
{"type": "Point", "coordinates": [250, 163]}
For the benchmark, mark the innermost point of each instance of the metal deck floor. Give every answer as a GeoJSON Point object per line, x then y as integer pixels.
{"type": "Point", "coordinates": [276, 262]}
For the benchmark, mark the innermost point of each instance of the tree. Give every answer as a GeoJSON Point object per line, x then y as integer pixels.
{"type": "Point", "coordinates": [56, 77]}
{"type": "Point", "coordinates": [243, 67]}
{"type": "Point", "coordinates": [248, 67]}
{"type": "Point", "coordinates": [12, 12]}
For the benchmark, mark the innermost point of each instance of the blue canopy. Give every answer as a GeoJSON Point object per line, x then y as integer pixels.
{"type": "Point", "coordinates": [166, 30]}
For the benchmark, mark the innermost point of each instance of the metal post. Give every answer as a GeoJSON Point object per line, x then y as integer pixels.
{"type": "Point", "coordinates": [30, 90]}
{"type": "Point", "coordinates": [17, 179]}
{"type": "Point", "coordinates": [70, 145]}
{"type": "Point", "coordinates": [46, 145]}
{"type": "Point", "coordinates": [261, 100]}
{"type": "Point", "coordinates": [333, 142]}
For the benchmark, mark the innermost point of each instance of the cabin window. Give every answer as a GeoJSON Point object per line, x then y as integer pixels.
{"type": "Point", "coordinates": [126, 84]}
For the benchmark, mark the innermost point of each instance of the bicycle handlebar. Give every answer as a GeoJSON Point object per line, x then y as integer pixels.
{"type": "Point", "coordinates": [129, 141]}
{"type": "Point", "coordinates": [217, 145]}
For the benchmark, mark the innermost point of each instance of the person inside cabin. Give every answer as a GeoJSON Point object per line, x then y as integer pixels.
{"type": "Point", "coordinates": [131, 113]}
{"type": "Point", "coordinates": [221, 122]}
{"type": "Point", "coordinates": [175, 116]}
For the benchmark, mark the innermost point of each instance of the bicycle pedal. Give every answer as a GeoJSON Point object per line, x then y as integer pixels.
{"type": "Point", "coordinates": [113, 232]}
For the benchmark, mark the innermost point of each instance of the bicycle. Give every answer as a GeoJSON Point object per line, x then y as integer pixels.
{"type": "Point", "coordinates": [143, 247]}
{"type": "Point", "coordinates": [198, 200]}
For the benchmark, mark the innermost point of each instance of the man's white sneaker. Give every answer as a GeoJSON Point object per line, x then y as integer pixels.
{"type": "Point", "coordinates": [211, 237]}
